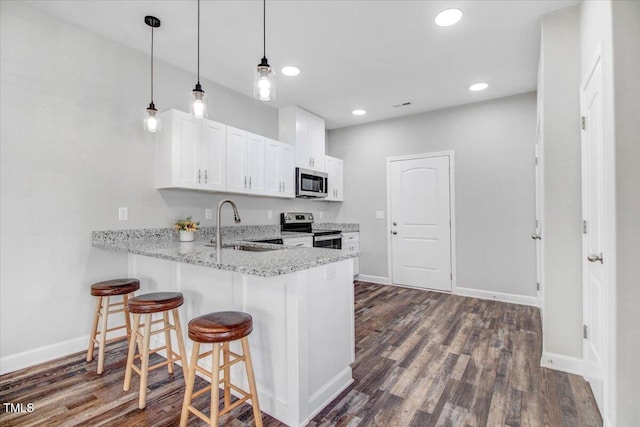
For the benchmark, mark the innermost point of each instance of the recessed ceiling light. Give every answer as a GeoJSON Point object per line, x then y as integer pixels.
{"type": "Point", "coordinates": [290, 70]}
{"type": "Point", "coordinates": [358, 112]}
{"type": "Point", "coordinates": [478, 86]}
{"type": "Point", "coordinates": [448, 17]}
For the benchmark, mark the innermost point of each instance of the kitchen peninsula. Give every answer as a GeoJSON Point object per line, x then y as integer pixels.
{"type": "Point", "coordinates": [301, 300]}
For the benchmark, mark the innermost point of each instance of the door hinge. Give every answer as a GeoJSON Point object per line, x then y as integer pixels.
{"type": "Point", "coordinates": [584, 227]}
{"type": "Point", "coordinates": [584, 122]}
{"type": "Point", "coordinates": [584, 331]}
{"type": "Point", "coordinates": [537, 286]}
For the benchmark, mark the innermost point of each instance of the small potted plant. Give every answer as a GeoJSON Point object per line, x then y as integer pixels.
{"type": "Point", "coordinates": [187, 228]}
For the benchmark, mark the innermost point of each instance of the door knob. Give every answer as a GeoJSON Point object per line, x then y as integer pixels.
{"type": "Point", "coordinates": [595, 258]}
{"type": "Point", "coordinates": [394, 223]}
{"type": "Point", "coordinates": [535, 236]}
{"type": "Point", "coordinates": [394, 232]}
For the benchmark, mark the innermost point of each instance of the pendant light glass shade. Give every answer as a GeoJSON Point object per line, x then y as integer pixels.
{"type": "Point", "coordinates": [151, 122]}
{"type": "Point", "coordinates": [264, 85]}
{"type": "Point", "coordinates": [198, 97]}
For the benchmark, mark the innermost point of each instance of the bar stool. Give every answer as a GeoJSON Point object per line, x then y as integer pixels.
{"type": "Point", "coordinates": [148, 304]}
{"type": "Point", "coordinates": [220, 329]}
{"type": "Point", "coordinates": [104, 291]}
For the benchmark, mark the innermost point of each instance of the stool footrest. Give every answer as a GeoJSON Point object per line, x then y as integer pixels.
{"type": "Point", "coordinates": [199, 414]}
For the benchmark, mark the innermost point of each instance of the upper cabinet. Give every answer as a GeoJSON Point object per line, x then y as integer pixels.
{"type": "Point", "coordinates": [334, 168]}
{"type": "Point", "coordinates": [245, 161]}
{"type": "Point", "coordinates": [306, 131]}
{"type": "Point", "coordinates": [279, 169]}
{"type": "Point", "coordinates": [200, 154]}
{"type": "Point", "coordinates": [190, 153]}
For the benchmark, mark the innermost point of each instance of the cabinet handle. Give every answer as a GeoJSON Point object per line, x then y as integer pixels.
{"type": "Point", "coordinates": [283, 187]}
{"type": "Point", "coordinates": [205, 176]}
{"type": "Point", "coordinates": [198, 176]}
{"type": "Point", "coordinates": [310, 161]}
{"type": "Point", "coordinates": [249, 182]}
{"type": "Point", "coordinates": [245, 182]}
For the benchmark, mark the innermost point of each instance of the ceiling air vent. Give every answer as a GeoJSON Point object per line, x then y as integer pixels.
{"type": "Point", "coordinates": [404, 104]}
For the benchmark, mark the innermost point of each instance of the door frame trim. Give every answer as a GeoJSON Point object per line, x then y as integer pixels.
{"type": "Point", "coordinates": [452, 211]}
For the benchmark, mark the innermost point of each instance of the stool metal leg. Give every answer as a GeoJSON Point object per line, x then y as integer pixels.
{"type": "Point", "coordinates": [103, 333]}
{"type": "Point", "coordinates": [94, 330]}
{"type": "Point", "coordinates": [132, 352]}
{"type": "Point", "coordinates": [190, 382]}
{"type": "Point", "coordinates": [252, 382]}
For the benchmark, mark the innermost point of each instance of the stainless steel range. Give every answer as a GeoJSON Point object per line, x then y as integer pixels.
{"type": "Point", "coordinates": [302, 222]}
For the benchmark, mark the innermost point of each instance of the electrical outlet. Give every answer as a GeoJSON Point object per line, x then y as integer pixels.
{"type": "Point", "coordinates": [208, 213]}
{"type": "Point", "coordinates": [269, 214]}
{"type": "Point", "coordinates": [320, 214]}
{"type": "Point", "coordinates": [123, 214]}
{"type": "Point", "coordinates": [379, 214]}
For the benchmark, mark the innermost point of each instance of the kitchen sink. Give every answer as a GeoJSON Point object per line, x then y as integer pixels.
{"type": "Point", "coordinates": [249, 248]}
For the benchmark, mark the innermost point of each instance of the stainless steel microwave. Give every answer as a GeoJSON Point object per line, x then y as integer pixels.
{"type": "Point", "coordinates": [310, 183]}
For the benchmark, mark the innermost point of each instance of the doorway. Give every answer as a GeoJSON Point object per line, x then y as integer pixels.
{"type": "Point", "coordinates": [420, 228]}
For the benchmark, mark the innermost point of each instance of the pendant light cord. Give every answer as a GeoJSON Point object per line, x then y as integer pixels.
{"type": "Point", "coordinates": [198, 42]}
{"type": "Point", "coordinates": [151, 65]}
{"type": "Point", "coordinates": [264, 28]}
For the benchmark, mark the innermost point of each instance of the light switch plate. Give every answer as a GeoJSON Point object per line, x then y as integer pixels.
{"type": "Point", "coordinates": [269, 214]}
{"type": "Point", "coordinates": [123, 214]}
{"type": "Point", "coordinates": [320, 214]}
{"type": "Point", "coordinates": [379, 214]}
{"type": "Point", "coordinates": [208, 213]}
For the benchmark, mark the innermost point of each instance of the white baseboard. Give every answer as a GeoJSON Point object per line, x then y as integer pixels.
{"type": "Point", "coordinates": [38, 355]}
{"type": "Point", "coordinates": [497, 296]}
{"type": "Point", "coordinates": [559, 362]}
{"type": "Point", "coordinates": [380, 280]}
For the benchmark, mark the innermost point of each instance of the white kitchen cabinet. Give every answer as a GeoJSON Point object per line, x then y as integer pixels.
{"type": "Point", "coordinates": [245, 162]}
{"type": "Point", "coordinates": [190, 153]}
{"type": "Point", "coordinates": [306, 131]}
{"type": "Point", "coordinates": [279, 169]}
{"type": "Point", "coordinates": [302, 241]}
{"type": "Point", "coordinates": [334, 168]}
{"type": "Point", "coordinates": [351, 243]}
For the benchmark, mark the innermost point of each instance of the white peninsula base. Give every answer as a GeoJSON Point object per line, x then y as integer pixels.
{"type": "Point", "coordinates": [302, 342]}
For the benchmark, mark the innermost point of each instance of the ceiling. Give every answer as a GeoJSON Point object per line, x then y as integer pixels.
{"type": "Point", "coordinates": [352, 54]}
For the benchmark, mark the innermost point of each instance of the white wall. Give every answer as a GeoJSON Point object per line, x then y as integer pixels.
{"type": "Point", "coordinates": [626, 57]}
{"type": "Point", "coordinates": [494, 177]}
{"type": "Point", "coordinates": [562, 226]}
{"type": "Point", "coordinates": [72, 152]}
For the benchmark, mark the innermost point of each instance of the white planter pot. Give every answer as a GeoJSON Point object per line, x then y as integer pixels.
{"type": "Point", "coordinates": [187, 236]}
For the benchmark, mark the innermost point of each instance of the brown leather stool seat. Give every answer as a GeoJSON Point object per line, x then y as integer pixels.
{"type": "Point", "coordinates": [104, 290]}
{"type": "Point", "coordinates": [147, 305]}
{"type": "Point", "coordinates": [220, 329]}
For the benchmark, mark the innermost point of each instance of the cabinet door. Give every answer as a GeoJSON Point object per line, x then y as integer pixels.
{"type": "Point", "coordinates": [272, 182]}
{"type": "Point", "coordinates": [186, 150]}
{"type": "Point", "coordinates": [303, 157]}
{"type": "Point", "coordinates": [214, 156]}
{"type": "Point", "coordinates": [338, 181]}
{"type": "Point", "coordinates": [237, 179]}
{"type": "Point", "coordinates": [286, 169]}
{"type": "Point", "coordinates": [255, 163]}
{"type": "Point", "coordinates": [316, 142]}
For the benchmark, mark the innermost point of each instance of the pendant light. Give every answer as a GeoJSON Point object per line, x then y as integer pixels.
{"type": "Point", "coordinates": [152, 120]}
{"type": "Point", "coordinates": [264, 87]}
{"type": "Point", "coordinates": [199, 98]}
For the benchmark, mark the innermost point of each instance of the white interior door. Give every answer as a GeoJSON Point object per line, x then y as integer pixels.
{"type": "Point", "coordinates": [420, 218]}
{"type": "Point", "coordinates": [594, 288]}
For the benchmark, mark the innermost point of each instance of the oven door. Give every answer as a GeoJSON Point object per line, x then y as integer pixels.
{"type": "Point", "coordinates": [329, 241]}
{"type": "Point", "coordinates": [311, 183]}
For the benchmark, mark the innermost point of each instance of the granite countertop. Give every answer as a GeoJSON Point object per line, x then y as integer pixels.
{"type": "Point", "coordinates": [163, 244]}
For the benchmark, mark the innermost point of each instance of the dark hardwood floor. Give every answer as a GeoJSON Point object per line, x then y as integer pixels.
{"type": "Point", "coordinates": [422, 359]}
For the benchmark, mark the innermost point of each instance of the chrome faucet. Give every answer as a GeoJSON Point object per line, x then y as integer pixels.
{"type": "Point", "coordinates": [236, 218]}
